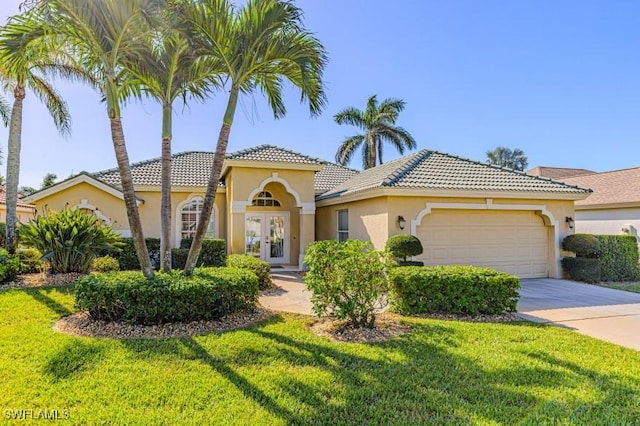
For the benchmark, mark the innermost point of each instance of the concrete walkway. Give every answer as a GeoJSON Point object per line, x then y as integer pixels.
{"type": "Point", "coordinates": [603, 313]}
{"type": "Point", "coordinates": [290, 296]}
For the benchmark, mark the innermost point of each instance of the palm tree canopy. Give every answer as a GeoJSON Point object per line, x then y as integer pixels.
{"type": "Point", "coordinates": [377, 122]}
{"type": "Point", "coordinates": [505, 157]}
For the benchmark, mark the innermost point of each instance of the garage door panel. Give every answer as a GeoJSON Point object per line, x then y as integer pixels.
{"type": "Point", "coordinates": [511, 241]}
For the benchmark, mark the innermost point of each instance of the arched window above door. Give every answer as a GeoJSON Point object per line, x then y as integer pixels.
{"type": "Point", "coordinates": [265, 199]}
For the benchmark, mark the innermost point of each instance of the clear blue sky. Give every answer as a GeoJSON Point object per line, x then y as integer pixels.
{"type": "Point", "coordinates": [558, 79]}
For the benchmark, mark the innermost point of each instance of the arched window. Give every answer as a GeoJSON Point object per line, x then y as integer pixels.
{"type": "Point", "coordinates": [190, 216]}
{"type": "Point", "coordinates": [265, 199]}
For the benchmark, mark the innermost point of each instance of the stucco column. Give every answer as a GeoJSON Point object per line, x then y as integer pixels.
{"type": "Point", "coordinates": [307, 233]}
{"type": "Point", "coordinates": [236, 233]}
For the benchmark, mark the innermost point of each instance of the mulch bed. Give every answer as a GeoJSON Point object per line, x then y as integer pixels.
{"type": "Point", "coordinates": [41, 280]}
{"type": "Point", "coordinates": [387, 326]}
{"type": "Point", "coordinates": [79, 324]}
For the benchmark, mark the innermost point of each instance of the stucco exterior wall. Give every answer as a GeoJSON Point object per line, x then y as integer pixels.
{"type": "Point", "coordinates": [25, 214]}
{"type": "Point", "coordinates": [608, 221]}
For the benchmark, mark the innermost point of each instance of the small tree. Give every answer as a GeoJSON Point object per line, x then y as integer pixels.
{"type": "Point", "coordinates": [403, 246]}
{"type": "Point", "coordinates": [506, 157]}
{"type": "Point", "coordinates": [346, 280]}
{"type": "Point", "coordinates": [48, 180]}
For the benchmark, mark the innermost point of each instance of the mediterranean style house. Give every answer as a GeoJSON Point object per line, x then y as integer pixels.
{"type": "Point", "coordinates": [273, 202]}
{"type": "Point", "coordinates": [24, 211]}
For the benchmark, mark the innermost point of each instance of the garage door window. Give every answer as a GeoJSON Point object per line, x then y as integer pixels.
{"type": "Point", "coordinates": [343, 225]}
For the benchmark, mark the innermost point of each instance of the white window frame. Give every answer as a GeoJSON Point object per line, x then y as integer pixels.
{"type": "Point", "coordinates": [342, 234]}
{"type": "Point", "coordinates": [213, 221]}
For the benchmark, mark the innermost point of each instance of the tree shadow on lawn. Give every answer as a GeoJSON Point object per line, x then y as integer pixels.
{"type": "Point", "coordinates": [42, 295]}
{"type": "Point", "coordinates": [75, 357]}
{"type": "Point", "coordinates": [415, 378]}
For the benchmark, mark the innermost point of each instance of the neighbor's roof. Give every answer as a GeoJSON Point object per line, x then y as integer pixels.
{"type": "Point", "coordinates": [3, 199]}
{"type": "Point", "coordinates": [614, 187]}
{"type": "Point", "coordinates": [439, 171]}
{"type": "Point", "coordinates": [558, 173]}
{"type": "Point", "coordinates": [192, 168]}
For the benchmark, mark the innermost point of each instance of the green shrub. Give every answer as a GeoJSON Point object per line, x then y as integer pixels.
{"type": "Point", "coordinates": [618, 256]}
{"type": "Point", "coordinates": [3, 234]}
{"type": "Point", "coordinates": [346, 280]}
{"type": "Point", "coordinates": [69, 239]}
{"type": "Point", "coordinates": [105, 264]}
{"type": "Point", "coordinates": [213, 252]}
{"type": "Point", "coordinates": [30, 261]}
{"type": "Point", "coordinates": [583, 245]}
{"type": "Point", "coordinates": [179, 258]}
{"type": "Point", "coordinates": [582, 269]}
{"type": "Point", "coordinates": [410, 263]}
{"type": "Point", "coordinates": [452, 289]}
{"type": "Point", "coordinates": [9, 266]}
{"type": "Point", "coordinates": [128, 259]}
{"type": "Point", "coordinates": [259, 267]}
{"type": "Point", "coordinates": [128, 296]}
{"type": "Point", "coordinates": [403, 246]}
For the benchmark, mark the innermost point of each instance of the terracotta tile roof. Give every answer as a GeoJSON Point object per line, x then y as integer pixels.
{"type": "Point", "coordinates": [439, 171]}
{"type": "Point", "coordinates": [192, 168]}
{"type": "Point", "coordinates": [615, 187]}
{"type": "Point", "coordinates": [558, 173]}
{"type": "Point", "coordinates": [3, 199]}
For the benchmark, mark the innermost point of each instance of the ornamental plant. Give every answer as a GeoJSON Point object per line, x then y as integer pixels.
{"type": "Point", "coordinates": [403, 246]}
{"type": "Point", "coordinates": [69, 239]}
{"type": "Point", "coordinates": [346, 279]}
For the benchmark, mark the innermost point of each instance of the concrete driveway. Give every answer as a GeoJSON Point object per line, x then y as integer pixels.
{"type": "Point", "coordinates": [603, 313]}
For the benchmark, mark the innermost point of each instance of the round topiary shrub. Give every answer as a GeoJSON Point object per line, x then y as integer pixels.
{"type": "Point", "coordinates": [403, 246]}
{"type": "Point", "coordinates": [105, 264]}
{"type": "Point", "coordinates": [583, 245]}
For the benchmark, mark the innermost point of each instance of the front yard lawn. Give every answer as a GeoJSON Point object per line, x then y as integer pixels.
{"type": "Point", "coordinates": [278, 372]}
{"type": "Point", "coordinates": [633, 286]}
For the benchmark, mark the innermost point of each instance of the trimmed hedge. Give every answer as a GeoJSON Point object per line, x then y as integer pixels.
{"type": "Point", "coordinates": [583, 245]}
{"type": "Point", "coordinates": [403, 246]}
{"type": "Point", "coordinates": [128, 259]}
{"type": "Point", "coordinates": [105, 264]}
{"type": "Point", "coordinates": [618, 256]}
{"type": "Point", "coordinates": [213, 252]}
{"type": "Point", "coordinates": [260, 268]}
{"type": "Point", "coordinates": [582, 269]}
{"type": "Point", "coordinates": [179, 258]}
{"type": "Point", "coordinates": [30, 261]}
{"type": "Point", "coordinates": [452, 289]}
{"type": "Point", "coordinates": [128, 296]}
{"type": "Point", "coordinates": [9, 266]}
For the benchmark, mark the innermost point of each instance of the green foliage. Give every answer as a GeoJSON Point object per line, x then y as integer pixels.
{"type": "Point", "coordinates": [452, 289]}
{"type": "Point", "coordinates": [3, 234]}
{"type": "Point", "coordinates": [30, 261]}
{"type": "Point", "coordinates": [128, 296]}
{"type": "Point", "coordinates": [583, 245]}
{"type": "Point", "coordinates": [213, 252]}
{"type": "Point", "coordinates": [583, 269]}
{"type": "Point", "coordinates": [69, 239]}
{"type": "Point", "coordinates": [403, 246]}
{"type": "Point", "coordinates": [410, 263]}
{"type": "Point", "coordinates": [128, 259]}
{"type": "Point", "coordinates": [618, 256]}
{"type": "Point", "coordinates": [105, 264]}
{"type": "Point", "coordinates": [259, 267]}
{"type": "Point", "coordinates": [9, 266]}
{"type": "Point", "coordinates": [346, 279]}
{"type": "Point", "coordinates": [179, 258]}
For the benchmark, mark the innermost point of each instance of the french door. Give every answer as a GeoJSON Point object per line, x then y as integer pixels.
{"type": "Point", "coordinates": [267, 236]}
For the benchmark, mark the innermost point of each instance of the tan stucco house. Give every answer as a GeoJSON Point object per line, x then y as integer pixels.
{"type": "Point", "coordinates": [24, 211]}
{"type": "Point", "coordinates": [273, 202]}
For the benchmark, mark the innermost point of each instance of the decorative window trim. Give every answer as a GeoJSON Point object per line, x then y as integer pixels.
{"type": "Point", "coordinates": [84, 205]}
{"type": "Point", "coordinates": [178, 217]}
{"type": "Point", "coordinates": [265, 199]}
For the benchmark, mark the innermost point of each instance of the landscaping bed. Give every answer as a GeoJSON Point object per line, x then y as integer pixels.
{"type": "Point", "coordinates": [41, 280]}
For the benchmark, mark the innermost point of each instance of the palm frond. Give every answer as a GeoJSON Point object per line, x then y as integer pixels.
{"type": "Point", "coordinates": [347, 148]}
{"type": "Point", "coordinates": [5, 111]}
{"type": "Point", "coordinates": [57, 107]}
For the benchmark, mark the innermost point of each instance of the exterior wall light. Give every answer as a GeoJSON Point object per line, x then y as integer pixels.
{"type": "Point", "coordinates": [570, 222]}
{"type": "Point", "coordinates": [401, 222]}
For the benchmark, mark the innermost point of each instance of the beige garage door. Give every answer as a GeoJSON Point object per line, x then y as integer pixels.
{"type": "Point", "coordinates": [512, 241]}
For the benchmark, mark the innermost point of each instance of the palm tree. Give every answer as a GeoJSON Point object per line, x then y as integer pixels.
{"type": "Point", "coordinates": [505, 157]}
{"type": "Point", "coordinates": [170, 69]}
{"type": "Point", "coordinates": [103, 34]}
{"type": "Point", "coordinates": [378, 124]}
{"type": "Point", "coordinates": [24, 62]}
{"type": "Point", "coordinates": [261, 45]}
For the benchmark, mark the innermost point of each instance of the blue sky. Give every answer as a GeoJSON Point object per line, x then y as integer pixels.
{"type": "Point", "coordinates": [557, 79]}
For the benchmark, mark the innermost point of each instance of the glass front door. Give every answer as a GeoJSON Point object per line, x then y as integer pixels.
{"type": "Point", "coordinates": [267, 236]}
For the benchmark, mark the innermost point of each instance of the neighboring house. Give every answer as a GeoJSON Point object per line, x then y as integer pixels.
{"type": "Point", "coordinates": [558, 173]}
{"type": "Point", "coordinates": [25, 211]}
{"type": "Point", "coordinates": [273, 203]}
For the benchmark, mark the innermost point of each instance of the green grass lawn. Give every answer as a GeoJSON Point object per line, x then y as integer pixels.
{"type": "Point", "coordinates": [445, 372]}
{"type": "Point", "coordinates": [633, 286]}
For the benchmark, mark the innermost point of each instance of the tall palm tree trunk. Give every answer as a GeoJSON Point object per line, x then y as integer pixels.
{"type": "Point", "coordinates": [214, 178]}
{"type": "Point", "coordinates": [13, 167]}
{"type": "Point", "coordinates": [117, 136]}
{"type": "Point", "coordinates": [165, 202]}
